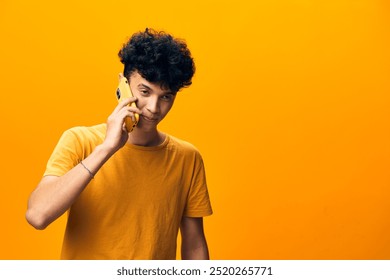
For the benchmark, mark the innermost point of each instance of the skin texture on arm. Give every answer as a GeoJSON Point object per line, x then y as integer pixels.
{"type": "Point", "coordinates": [194, 245]}
{"type": "Point", "coordinates": [54, 195]}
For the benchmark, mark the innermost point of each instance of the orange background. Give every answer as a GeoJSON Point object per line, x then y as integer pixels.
{"type": "Point", "coordinates": [289, 107]}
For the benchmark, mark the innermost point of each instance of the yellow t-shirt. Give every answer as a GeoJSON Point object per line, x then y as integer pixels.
{"type": "Point", "coordinates": [134, 206]}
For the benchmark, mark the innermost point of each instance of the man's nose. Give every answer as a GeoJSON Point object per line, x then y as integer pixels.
{"type": "Point", "coordinates": [153, 106]}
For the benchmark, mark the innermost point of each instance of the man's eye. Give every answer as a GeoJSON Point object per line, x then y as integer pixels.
{"type": "Point", "coordinates": [166, 97]}
{"type": "Point", "coordinates": [144, 92]}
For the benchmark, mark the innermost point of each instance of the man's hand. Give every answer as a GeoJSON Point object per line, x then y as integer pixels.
{"type": "Point", "coordinates": [117, 134]}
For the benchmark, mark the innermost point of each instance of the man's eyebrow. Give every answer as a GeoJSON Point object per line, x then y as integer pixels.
{"type": "Point", "coordinates": [141, 84]}
{"type": "Point", "coordinates": [167, 92]}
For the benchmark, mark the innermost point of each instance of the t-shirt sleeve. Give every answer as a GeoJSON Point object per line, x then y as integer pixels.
{"type": "Point", "coordinates": [198, 202]}
{"type": "Point", "coordinates": [66, 155]}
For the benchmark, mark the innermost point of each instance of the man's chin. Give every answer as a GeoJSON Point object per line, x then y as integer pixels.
{"type": "Point", "coordinates": [147, 125]}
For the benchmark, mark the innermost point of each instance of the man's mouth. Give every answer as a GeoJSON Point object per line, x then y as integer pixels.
{"type": "Point", "coordinates": [149, 119]}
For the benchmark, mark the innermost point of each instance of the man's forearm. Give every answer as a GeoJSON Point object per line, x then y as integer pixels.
{"type": "Point", "coordinates": [54, 195]}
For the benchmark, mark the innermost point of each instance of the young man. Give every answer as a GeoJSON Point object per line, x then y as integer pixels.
{"type": "Point", "coordinates": [129, 193]}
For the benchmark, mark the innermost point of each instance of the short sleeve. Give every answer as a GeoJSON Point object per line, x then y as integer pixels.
{"type": "Point", "coordinates": [66, 155]}
{"type": "Point", "coordinates": [198, 202]}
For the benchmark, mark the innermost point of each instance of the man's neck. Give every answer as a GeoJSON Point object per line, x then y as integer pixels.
{"type": "Point", "coordinates": [146, 138]}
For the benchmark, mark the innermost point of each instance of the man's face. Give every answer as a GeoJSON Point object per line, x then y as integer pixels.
{"type": "Point", "coordinates": [153, 101]}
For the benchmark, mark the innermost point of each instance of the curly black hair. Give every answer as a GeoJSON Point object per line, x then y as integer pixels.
{"type": "Point", "coordinates": [158, 57]}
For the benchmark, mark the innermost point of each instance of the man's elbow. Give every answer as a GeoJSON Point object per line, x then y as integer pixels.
{"type": "Point", "coordinates": [35, 219]}
{"type": "Point", "coordinates": [195, 250]}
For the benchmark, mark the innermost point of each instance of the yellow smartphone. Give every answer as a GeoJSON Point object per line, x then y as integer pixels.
{"type": "Point", "coordinates": [123, 91]}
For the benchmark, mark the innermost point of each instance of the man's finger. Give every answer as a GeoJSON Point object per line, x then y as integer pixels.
{"type": "Point", "coordinates": [124, 103]}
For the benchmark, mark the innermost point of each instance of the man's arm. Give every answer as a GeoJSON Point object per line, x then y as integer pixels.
{"type": "Point", "coordinates": [54, 195]}
{"type": "Point", "coordinates": [194, 245]}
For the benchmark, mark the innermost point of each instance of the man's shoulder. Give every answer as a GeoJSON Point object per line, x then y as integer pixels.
{"type": "Point", "coordinates": [83, 133]}
{"type": "Point", "coordinates": [182, 145]}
